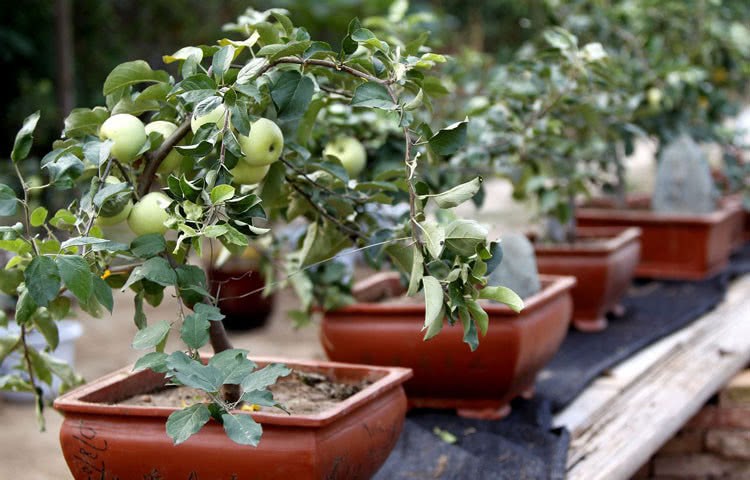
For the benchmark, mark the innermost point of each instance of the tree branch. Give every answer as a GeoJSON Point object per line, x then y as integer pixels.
{"type": "Point", "coordinates": [154, 159]}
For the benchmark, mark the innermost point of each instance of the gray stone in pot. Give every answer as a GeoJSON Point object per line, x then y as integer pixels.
{"type": "Point", "coordinates": [683, 179]}
{"type": "Point", "coordinates": [518, 270]}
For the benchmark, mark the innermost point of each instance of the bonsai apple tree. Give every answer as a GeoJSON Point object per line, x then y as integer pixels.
{"type": "Point", "coordinates": [543, 121]}
{"type": "Point", "coordinates": [219, 151]}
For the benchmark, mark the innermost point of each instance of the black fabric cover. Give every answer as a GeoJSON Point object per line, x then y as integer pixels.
{"type": "Point", "coordinates": [524, 445]}
{"type": "Point", "coordinates": [519, 447]}
{"type": "Point", "coordinates": [654, 309]}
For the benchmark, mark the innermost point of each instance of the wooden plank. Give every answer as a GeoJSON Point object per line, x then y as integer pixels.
{"type": "Point", "coordinates": [625, 416]}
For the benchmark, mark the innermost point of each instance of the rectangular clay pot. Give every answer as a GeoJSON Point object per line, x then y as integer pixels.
{"type": "Point", "coordinates": [101, 439]}
{"type": "Point", "coordinates": [603, 263]}
{"type": "Point", "coordinates": [673, 246]}
{"type": "Point", "coordinates": [447, 374]}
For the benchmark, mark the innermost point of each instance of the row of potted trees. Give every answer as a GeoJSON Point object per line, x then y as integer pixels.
{"type": "Point", "coordinates": [271, 127]}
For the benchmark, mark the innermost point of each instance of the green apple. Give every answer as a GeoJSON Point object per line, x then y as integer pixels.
{"type": "Point", "coordinates": [173, 158]}
{"type": "Point", "coordinates": [264, 144]}
{"type": "Point", "coordinates": [216, 116]}
{"type": "Point", "coordinates": [350, 152]}
{"type": "Point", "coordinates": [245, 174]}
{"type": "Point", "coordinates": [127, 133]}
{"type": "Point", "coordinates": [115, 210]}
{"type": "Point", "coordinates": [149, 214]}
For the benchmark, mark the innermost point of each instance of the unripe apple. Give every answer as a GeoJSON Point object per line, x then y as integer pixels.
{"type": "Point", "coordinates": [350, 152]}
{"type": "Point", "coordinates": [115, 210]}
{"type": "Point", "coordinates": [244, 174]}
{"type": "Point", "coordinates": [149, 214]}
{"type": "Point", "coordinates": [173, 158]}
{"type": "Point", "coordinates": [264, 144]}
{"type": "Point", "coordinates": [127, 133]}
{"type": "Point", "coordinates": [216, 116]}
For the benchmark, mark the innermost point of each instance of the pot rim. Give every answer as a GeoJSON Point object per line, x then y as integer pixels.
{"type": "Point", "coordinates": [644, 216]}
{"type": "Point", "coordinates": [552, 286]}
{"type": "Point", "coordinates": [74, 401]}
{"type": "Point", "coordinates": [612, 238]}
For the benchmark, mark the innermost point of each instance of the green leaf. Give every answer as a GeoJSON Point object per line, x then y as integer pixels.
{"type": "Point", "coordinates": [151, 336]}
{"type": "Point", "coordinates": [251, 70]}
{"type": "Point", "coordinates": [470, 329]}
{"type": "Point", "coordinates": [42, 280]}
{"type": "Point", "coordinates": [292, 94]}
{"type": "Point", "coordinates": [139, 318]}
{"type": "Point", "coordinates": [130, 73]}
{"type": "Point", "coordinates": [38, 216]}
{"type": "Point", "coordinates": [8, 201]}
{"type": "Point", "coordinates": [7, 345]}
{"type": "Point", "coordinates": [183, 54]}
{"type": "Point", "coordinates": [503, 295]}
{"type": "Point", "coordinates": [185, 423]}
{"type": "Point", "coordinates": [417, 271]}
{"type": "Point", "coordinates": [76, 275]}
{"type": "Point", "coordinates": [59, 308]}
{"type": "Point", "coordinates": [84, 121]}
{"type": "Point", "coordinates": [445, 435]}
{"type": "Point", "coordinates": [194, 331]}
{"type": "Point", "coordinates": [154, 361]}
{"type": "Point", "coordinates": [48, 328]}
{"type": "Point", "coordinates": [450, 139]}
{"type": "Point", "coordinates": [233, 365]}
{"type": "Point", "coordinates": [24, 138]}
{"type": "Point", "coordinates": [209, 311]}
{"type": "Point", "coordinates": [463, 236]}
{"type": "Point", "coordinates": [266, 376]}
{"type": "Point", "coordinates": [102, 293]}
{"type": "Point", "coordinates": [479, 315]}
{"type": "Point", "coordinates": [242, 429]}
{"type": "Point", "coordinates": [191, 281]}
{"type": "Point", "coordinates": [264, 398]}
{"type": "Point", "coordinates": [149, 245]}
{"type": "Point", "coordinates": [156, 269]}
{"type": "Point", "coordinates": [221, 193]}
{"type": "Point", "coordinates": [12, 383]}
{"type": "Point", "coordinates": [193, 373]}
{"type": "Point", "coordinates": [456, 195]}
{"type": "Point", "coordinates": [372, 95]}
{"type": "Point", "coordinates": [434, 238]}
{"type": "Point", "coordinates": [222, 60]}
{"type": "Point", "coordinates": [25, 307]}
{"type": "Point", "coordinates": [433, 297]}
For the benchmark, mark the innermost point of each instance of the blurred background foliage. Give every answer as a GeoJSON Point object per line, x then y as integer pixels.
{"type": "Point", "coordinates": [106, 33]}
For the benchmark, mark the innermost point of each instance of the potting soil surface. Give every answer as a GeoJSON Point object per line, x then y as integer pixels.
{"type": "Point", "coordinates": [300, 393]}
{"type": "Point", "coordinates": [523, 446]}
{"type": "Point", "coordinates": [653, 310]}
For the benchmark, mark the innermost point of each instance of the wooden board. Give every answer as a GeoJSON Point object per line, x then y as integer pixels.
{"type": "Point", "coordinates": [624, 416]}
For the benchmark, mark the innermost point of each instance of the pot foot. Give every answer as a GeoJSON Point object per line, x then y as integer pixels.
{"type": "Point", "coordinates": [484, 413]}
{"type": "Point", "coordinates": [590, 326]}
{"type": "Point", "coordinates": [618, 310]}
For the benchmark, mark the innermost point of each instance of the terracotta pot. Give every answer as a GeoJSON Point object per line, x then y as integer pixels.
{"type": "Point", "coordinates": [603, 270]}
{"type": "Point", "coordinates": [673, 246]}
{"type": "Point", "coordinates": [242, 311]}
{"type": "Point", "coordinates": [446, 373]}
{"type": "Point", "coordinates": [740, 221]}
{"type": "Point", "coordinates": [352, 440]}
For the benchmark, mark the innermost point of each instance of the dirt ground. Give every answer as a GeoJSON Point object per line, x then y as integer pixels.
{"type": "Point", "coordinates": [27, 454]}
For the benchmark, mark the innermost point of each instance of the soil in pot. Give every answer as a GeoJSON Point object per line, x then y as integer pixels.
{"type": "Point", "coordinates": [299, 393]}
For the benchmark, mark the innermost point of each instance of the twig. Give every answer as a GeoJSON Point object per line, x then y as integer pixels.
{"type": "Point", "coordinates": [25, 204]}
{"type": "Point", "coordinates": [154, 159]}
{"type": "Point", "coordinates": [341, 226]}
{"type": "Point", "coordinates": [327, 64]}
